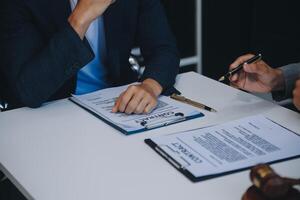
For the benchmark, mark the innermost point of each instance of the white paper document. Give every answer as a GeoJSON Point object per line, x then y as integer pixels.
{"type": "Point", "coordinates": [228, 147]}
{"type": "Point", "coordinates": [168, 111]}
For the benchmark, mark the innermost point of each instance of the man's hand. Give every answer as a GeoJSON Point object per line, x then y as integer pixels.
{"type": "Point", "coordinates": [85, 12]}
{"type": "Point", "coordinates": [139, 99]}
{"type": "Point", "coordinates": [296, 95]}
{"type": "Point", "coordinates": [256, 77]}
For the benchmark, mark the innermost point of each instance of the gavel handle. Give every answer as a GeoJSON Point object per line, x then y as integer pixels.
{"type": "Point", "coordinates": [291, 181]}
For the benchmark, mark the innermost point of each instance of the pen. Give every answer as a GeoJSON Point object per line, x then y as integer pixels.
{"type": "Point", "coordinates": [238, 68]}
{"type": "Point", "coordinates": [191, 102]}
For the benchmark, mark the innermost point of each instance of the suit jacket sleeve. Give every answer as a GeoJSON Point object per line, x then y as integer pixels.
{"type": "Point", "coordinates": [35, 67]}
{"type": "Point", "coordinates": [291, 73]}
{"type": "Point", "coordinates": [157, 44]}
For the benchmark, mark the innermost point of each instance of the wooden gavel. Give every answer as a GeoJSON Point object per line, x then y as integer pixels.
{"type": "Point", "coordinates": [271, 184]}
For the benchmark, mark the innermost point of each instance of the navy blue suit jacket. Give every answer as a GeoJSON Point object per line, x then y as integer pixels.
{"type": "Point", "coordinates": [41, 53]}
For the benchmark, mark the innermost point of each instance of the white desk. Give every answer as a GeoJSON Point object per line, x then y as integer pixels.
{"type": "Point", "coordinates": [61, 152]}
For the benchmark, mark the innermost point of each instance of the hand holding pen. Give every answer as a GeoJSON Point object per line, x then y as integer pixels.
{"type": "Point", "coordinates": [252, 74]}
{"type": "Point", "coordinates": [235, 69]}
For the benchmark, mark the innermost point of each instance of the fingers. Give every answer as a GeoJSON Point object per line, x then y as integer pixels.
{"type": "Point", "coordinates": [240, 60]}
{"type": "Point", "coordinates": [150, 107]}
{"type": "Point", "coordinates": [260, 68]}
{"type": "Point", "coordinates": [239, 83]}
{"type": "Point", "coordinates": [238, 79]}
{"type": "Point", "coordinates": [136, 99]}
{"type": "Point", "coordinates": [234, 78]}
{"type": "Point", "coordinates": [117, 103]}
{"type": "Point", "coordinates": [134, 102]}
{"type": "Point", "coordinates": [123, 100]}
{"type": "Point", "coordinates": [141, 106]}
{"type": "Point", "coordinates": [296, 95]}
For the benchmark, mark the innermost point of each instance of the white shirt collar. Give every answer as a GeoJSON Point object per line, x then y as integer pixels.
{"type": "Point", "coordinates": [73, 4]}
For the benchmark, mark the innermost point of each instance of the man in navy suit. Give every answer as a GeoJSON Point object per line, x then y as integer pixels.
{"type": "Point", "coordinates": [52, 48]}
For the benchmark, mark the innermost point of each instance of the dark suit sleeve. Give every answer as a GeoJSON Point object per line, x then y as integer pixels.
{"type": "Point", "coordinates": [35, 67]}
{"type": "Point", "coordinates": [157, 44]}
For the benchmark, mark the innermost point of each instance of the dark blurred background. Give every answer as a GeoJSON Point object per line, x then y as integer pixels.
{"type": "Point", "coordinates": [233, 28]}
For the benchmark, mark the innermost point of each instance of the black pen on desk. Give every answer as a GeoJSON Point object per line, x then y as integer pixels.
{"type": "Point", "coordinates": [238, 68]}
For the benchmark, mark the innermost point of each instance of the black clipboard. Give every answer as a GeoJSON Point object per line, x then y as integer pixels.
{"type": "Point", "coordinates": [189, 175]}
